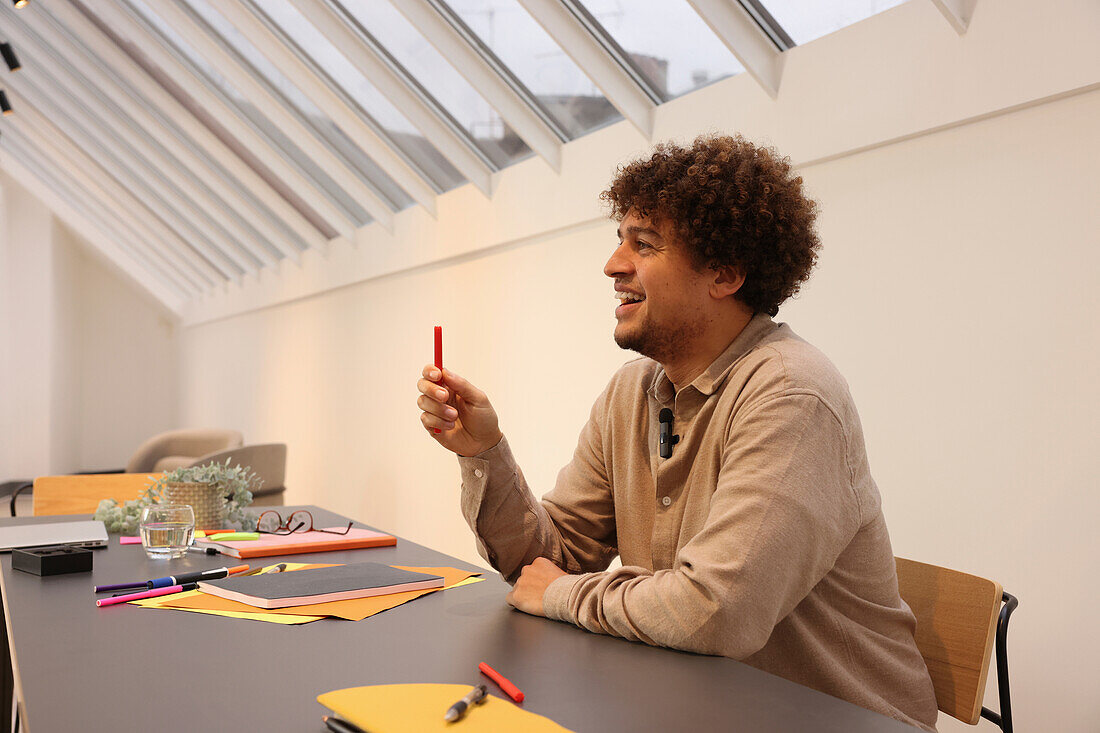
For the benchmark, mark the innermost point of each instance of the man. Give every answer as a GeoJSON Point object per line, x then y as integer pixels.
{"type": "Point", "coordinates": [761, 537]}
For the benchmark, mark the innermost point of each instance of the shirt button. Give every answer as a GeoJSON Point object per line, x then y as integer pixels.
{"type": "Point", "coordinates": [666, 500]}
{"type": "Point", "coordinates": [478, 472]}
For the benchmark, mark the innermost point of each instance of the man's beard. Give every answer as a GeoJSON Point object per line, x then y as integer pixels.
{"type": "Point", "coordinates": [662, 344]}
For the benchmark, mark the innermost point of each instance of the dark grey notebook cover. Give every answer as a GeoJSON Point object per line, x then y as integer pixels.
{"type": "Point", "coordinates": [320, 581]}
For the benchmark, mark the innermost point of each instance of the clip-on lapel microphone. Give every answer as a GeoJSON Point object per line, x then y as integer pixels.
{"type": "Point", "coordinates": [665, 439]}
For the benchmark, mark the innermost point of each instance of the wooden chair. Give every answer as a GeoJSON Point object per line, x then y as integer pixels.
{"type": "Point", "coordinates": [81, 493]}
{"type": "Point", "coordinates": [959, 617]}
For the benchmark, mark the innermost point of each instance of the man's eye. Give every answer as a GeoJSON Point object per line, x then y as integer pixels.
{"type": "Point", "coordinates": [643, 245]}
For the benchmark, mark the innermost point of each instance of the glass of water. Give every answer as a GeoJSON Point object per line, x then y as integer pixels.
{"type": "Point", "coordinates": [167, 529]}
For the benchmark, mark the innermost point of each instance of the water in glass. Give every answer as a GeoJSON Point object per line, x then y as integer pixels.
{"type": "Point", "coordinates": [167, 539]}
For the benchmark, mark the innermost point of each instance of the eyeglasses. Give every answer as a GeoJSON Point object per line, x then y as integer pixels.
{"type": "Point", "coordinates": [271, 522]}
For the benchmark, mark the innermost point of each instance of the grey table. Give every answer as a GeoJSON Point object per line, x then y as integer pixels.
{"type": "Point", "coordinates": [123, 668]}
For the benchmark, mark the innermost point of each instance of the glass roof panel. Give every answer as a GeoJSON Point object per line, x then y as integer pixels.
{"type": "Point", "coordinates": [565, 91]}
{"type": "Point", "coordinates": [210, 75]}
{"type": "Point", "coordinates": [312, 46]}
{"type": "Point", "coordinates": [668, 43]}
{"type": "Point", "coordinates": [327, 130]}
{"type": "Point", "coordinates": [492, 136]}
{"type": "Point", "coordinates": [805, 20]}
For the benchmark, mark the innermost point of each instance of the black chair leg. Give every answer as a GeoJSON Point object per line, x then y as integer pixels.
{"type": "Point", "coordinates": [1004, 719]}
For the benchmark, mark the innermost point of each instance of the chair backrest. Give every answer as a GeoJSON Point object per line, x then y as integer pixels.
{"type": "Point", "coordinates": [81, 493]}
{"type": "Point", "coordinates": [180, 447]}
{"type": "Point", "coordinates": [267, 460]}
{"type": "Point", "coordinates": [956, 621]}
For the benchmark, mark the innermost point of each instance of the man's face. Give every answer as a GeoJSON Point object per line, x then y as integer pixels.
{"type": "Point", "coordinates": [665, 302]}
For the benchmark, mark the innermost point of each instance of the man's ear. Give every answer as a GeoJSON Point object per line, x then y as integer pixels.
{"type": "Point", "coordinates": [727, 281]}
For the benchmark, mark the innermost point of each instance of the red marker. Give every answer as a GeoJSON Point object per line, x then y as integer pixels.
{"type": "Point", "coordinates": [439, 347]}
{"type": "Point", "coordinates": [509, 689]}
{"type": "Point", "coordinates": [439, 356]}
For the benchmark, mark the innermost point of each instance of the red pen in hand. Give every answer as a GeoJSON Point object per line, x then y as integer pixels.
{"type": "Point", "coordinates": [439, 357]}
{"type": "Point", "coordinates": [509, 689]}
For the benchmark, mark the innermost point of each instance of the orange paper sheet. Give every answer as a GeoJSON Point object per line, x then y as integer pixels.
{"type": "Point", "coordinates": [353, 610]}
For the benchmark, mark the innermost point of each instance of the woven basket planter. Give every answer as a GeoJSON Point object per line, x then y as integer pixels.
{"type": "Point", "coordinates": [207, 501]}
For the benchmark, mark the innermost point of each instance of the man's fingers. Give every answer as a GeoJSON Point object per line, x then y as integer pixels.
{"type": "Point", "coordinates": [432, 422]}
{"type": "Point", "coordinates": [433, 390]}
{"type": "Point", "coordinates": [436, 381]}
{"type": "Point", "coordinates": [468, 392]}
{"type": "Point", "coordinates": [439, 409]}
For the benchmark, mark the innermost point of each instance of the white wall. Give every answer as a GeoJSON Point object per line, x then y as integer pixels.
{"type": "Point", "coordinates": [64, 366]}
{"type": "Point", "coordinates": [88, 359]}
{"type": "Point", "coordinates": [26, 308]}
{"type": "Point", "coordinates": [129, 363]}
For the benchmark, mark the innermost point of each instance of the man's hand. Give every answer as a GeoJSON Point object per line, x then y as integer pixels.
{"type": "Point", "coordinates": [461, 412]}
{"type": "Point", "coordinates": [533, 581]}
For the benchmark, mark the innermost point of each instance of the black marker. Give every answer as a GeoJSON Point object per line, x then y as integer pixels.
{"type": "Point", "coordinates": [336, 725]}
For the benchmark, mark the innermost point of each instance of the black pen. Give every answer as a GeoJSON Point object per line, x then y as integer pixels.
{"type": "Point", "coordinates": [473, 697]}
{"type": "Point", "coordinates": [203, 550]}
{"type": "Point", "coordinates": [336, 725]}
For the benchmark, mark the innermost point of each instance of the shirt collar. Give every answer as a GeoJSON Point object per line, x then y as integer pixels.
{"type": "Point", "coordinates": [712, 377]}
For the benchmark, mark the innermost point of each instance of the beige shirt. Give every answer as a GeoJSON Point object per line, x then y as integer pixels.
{"type": "Point", "coordinates": [762, 538]}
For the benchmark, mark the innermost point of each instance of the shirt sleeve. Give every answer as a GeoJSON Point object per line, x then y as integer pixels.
{"type": "Point", "coordinates": [574, 526]}
{"type": "Point", "coordinates": [783, 510]}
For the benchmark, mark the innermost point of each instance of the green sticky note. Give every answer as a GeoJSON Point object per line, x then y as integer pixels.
{"type": "Point", "coordinates": [234, 536]}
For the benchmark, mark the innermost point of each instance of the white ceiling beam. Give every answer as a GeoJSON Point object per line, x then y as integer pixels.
{"type": "Point", "coordinates": [957, 12]}
{"type": "Point", "coordinates": [100, 146]}
{"type": "Point", "coordinates": [328, 101]}
{"type": "Point", "coordinates": [89, 231]}
{"type": "Point", "coordinates": [459, 52]}
{"type": "Point", "coordinates": [87, 203]}
{"type": "Point", "coordinates": [107, 208]}
{"type": "Point", "coordinates": [154, 49]}
{"type": "Point", "coordinates": [94, 133]}
{"type": "Point", "coordinates": [205, 205]}
{"type": "Point", "coordinates": [169, 107]}
{"type": "Point", "coordinates": [454, 148]}
{"type": "Point", "coordinates": [277, 112]}
{"type": "Point", "coordinates": [201, 170]}
{"type": "Point", "coordinates": [123, 205]}
{"type": "Point", "coordinates": [745, 39]}
{"type": "Point", "coordinates": [615, 83]}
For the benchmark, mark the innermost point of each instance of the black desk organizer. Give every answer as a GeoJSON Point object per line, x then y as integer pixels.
{"type": "Point", "coordinates": [52, 560]}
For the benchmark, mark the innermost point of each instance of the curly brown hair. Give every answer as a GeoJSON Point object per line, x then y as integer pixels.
{"type": "Point", "coordinates": [733, 204]}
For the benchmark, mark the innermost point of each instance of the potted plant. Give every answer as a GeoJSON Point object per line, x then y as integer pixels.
{"type": "Point", "coordinates": [217, 492]}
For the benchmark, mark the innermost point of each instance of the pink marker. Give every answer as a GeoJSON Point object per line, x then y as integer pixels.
{"type": "Point", "coordinates": [146, 594]}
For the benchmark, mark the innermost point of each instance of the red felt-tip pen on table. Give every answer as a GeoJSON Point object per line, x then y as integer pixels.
{"type": "Point", "coordinates": [439, 356]}
{"type": "Point", "coordinates": [509, 689]}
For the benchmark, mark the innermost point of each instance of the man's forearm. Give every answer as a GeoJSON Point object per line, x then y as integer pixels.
{"type": "Point", "coordinates": [511, 527]}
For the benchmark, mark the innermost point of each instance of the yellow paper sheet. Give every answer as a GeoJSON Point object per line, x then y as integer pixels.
{"type": "Point", "coordinates": [353, 610]}
{"type": "Point", "coordinates": [420, 709]}
{"type": "Point", "coordinates": [286, 618]}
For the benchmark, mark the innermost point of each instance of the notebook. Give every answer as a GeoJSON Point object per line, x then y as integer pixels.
{"type": "Point", "coordinates": [75, 534]}
{"type": "Point", "coordinates": [300, 542]}
{"type": "Point", "coordinates": [319, 585]}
